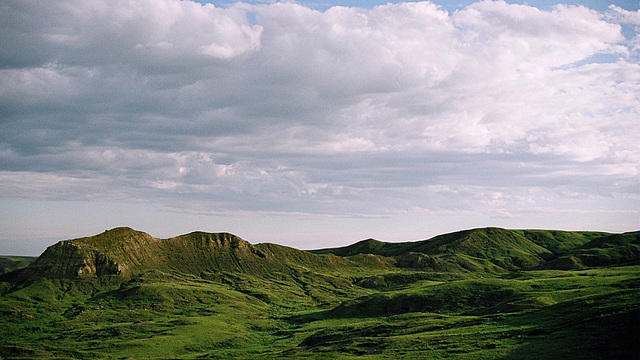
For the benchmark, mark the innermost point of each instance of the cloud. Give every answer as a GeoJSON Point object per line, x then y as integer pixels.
{"type": "Point", "coordinates": [349, 111]}
{"type": "Point", "coordinates": [622, 16]}
{"type": "Point", "coordinates": [154, 36]}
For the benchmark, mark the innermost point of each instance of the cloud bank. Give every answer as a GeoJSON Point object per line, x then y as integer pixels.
{"type": "Point", "coordinates": [497, 109]}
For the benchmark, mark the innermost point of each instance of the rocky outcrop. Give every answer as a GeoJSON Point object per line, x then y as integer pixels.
{"type": "Point", "coordinates": [100, 255]}
{"type": "Point", "coordinates": [62, 260]}
{"type": "Point", "coordinates": [123, 252]}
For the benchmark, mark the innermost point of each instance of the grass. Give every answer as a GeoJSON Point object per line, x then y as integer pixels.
{"type": "Point", "coordinates": [11, 263]}
{"type": "Point", "coordinates": [529, 314]}
{"type": "Point", "coordinates": [326, 306]}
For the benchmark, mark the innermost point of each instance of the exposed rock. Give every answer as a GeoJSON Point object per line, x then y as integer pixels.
{"type": "Point", "coordinates": [123, 252]}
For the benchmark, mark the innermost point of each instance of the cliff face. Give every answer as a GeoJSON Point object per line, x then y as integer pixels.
{"type": "Point", "coordinates": [68, 260]}
{"type": "Point", "coordinates": [115, 252]}
{"type": "Point", "coordinates": [123, 252]}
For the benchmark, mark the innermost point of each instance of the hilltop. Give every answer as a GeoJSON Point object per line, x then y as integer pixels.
{"type": "Point", "coordinates": [123, 252]}
{"type": "Point", "coordinates": [479, 293]}
{"type": "Point", "coordinates": [496, 249]}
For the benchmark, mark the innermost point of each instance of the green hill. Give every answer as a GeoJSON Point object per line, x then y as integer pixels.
{"type": "Point", "coordinates": [492, 250]}
{"type": "Point", "coordinates": [12, 263]}
{"type": "Point", "coordinates": [476, 294]}
{"type": "Point", "coordinates": [123, 252]}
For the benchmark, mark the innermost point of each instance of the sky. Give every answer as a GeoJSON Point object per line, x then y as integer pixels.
{"type": "Point", "coordinates": [316, 124]}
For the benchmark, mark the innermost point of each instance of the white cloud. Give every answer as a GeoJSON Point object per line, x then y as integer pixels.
{"type": "Point", "coordinates": [152, 36]}
{"type": "Point", "coordinates": [400, 108]}
{"type": "Point", "coordinates": [622, 16]}
{"type": "Point", "coordinates": [522, 38]}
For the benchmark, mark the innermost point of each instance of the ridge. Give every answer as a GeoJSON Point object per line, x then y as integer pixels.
{"type": "Point", "coordinates": [122, 252]}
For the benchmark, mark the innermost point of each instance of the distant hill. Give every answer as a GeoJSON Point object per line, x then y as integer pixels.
{"type": "Point", "coordinates": [123, 252]}
{"type": "Point", "coordinates": [11, 263]}
{"type": "Point", "coordinates": [496, 249]}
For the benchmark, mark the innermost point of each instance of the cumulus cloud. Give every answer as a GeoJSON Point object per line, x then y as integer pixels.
{"type": "Point", "coordinates": [622, 16]}
{"type": "Point", "coordinates": [152, 35]}
{"type": "Point", "coordinates": [495, 108]}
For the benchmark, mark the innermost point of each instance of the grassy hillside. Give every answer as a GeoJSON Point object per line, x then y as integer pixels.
{"type": "Point", "coordinates": [11, 263]}
{"type": "Point", "coordinates": [495, 250]}
{"type": "Point", "coordinates": [477, 294]}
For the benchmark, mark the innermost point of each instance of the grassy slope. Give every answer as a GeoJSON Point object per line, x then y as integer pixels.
{"type": "Point", "coordinates": [11, 263]}
{"type": "Point", "coordinates": [278, 302]}
{"type": "Point", "coordinates": [543, 314]}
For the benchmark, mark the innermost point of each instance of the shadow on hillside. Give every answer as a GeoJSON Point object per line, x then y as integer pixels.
{"type": "Point", "coordinates": [607, 337]}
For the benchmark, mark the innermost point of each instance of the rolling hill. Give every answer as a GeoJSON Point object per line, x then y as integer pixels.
{"type": "Point", "coordinates": [479, 293]}
{"type": "Point", "coordinates": [495, 249]}
{"type": "Point", "coordinates": [11, 263]}
{"type": "Point", "coordinates": [124, 252]}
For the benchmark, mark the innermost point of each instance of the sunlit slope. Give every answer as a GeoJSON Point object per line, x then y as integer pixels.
{"type": "Point", "coordinates": [606, 250]}
{"type": "Point", "coordinates": [121, 253]}
{"type": "Point", "coordinates": [494, 249]}
{"type": "Point", "coordinates": [124, 252]}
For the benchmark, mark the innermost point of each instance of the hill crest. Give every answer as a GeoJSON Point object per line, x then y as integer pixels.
{"type": "Point", "coordinates": [122, 252]}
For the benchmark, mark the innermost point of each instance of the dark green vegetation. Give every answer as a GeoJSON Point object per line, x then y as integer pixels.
{"type": "Point", "coordinates": [11, 263]}
{"type": "Point", "coordinates": [477, 294]}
